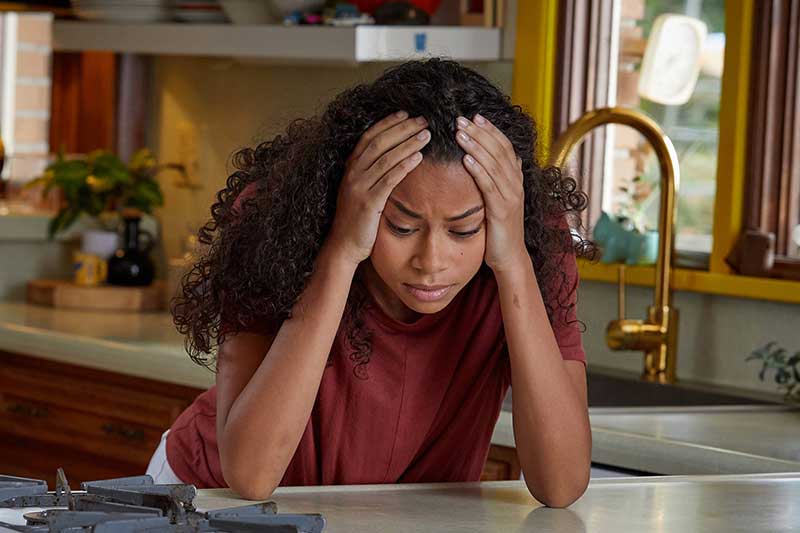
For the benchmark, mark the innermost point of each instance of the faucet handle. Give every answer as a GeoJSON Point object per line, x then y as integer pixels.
{"type": "Point", "coordinates": [621, 292]}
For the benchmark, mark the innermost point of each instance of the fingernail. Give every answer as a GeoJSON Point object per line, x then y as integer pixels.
{"type": "Point", "coordinates": [423, 135]}
{"type": "Point", "coordinates": [421, 121]}
{"type": "Point", "coordinates": [479, 119]}
{"type": "Point", "coordinates": [463, 136]}
{"type": "Point", "coordinates": [462, 122]}
{"type": "Point", "coordinates": [470, 159]}
{"type": "Point", "coordinates": [401, 114]}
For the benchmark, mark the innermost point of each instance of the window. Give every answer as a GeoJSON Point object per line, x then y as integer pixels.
{"type": "Point", "coordinates": [603, 44]}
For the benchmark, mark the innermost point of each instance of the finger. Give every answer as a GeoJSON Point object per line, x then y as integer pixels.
{"type": "Point", "coordinates": [390, 159]}
{"type": "Point", "coordinates": [484, 124]}
{"type": "Point", "coordinates": [488, 187]}
{"type": "Point", "coordinates": [487, 162]}
{"type": "Point", "coordinates": [495, 142]}
{"type": "Point", "coordinates": [384, 186]}
{"type": "Point", "coordinates": [388, 139]}
{"type": "Point", "coordinates": [382, 125]}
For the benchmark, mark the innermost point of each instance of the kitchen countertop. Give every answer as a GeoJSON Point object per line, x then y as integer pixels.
{"type": "Point", "coordinates": [689, 440]}
{"type": "Point", "coordinates": [137, 344]}
{"type": "Point", "coordinates": [666, 440]}
{"type": "Point", "coordinates": [763, 502]}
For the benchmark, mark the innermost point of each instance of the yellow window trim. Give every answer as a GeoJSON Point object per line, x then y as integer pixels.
{"type": "Point", "coordinates": [685, 279]}
{"type": "Point", "coordinates": [732, 150]}
{"type": "Point", "coordinates": [534, 76]}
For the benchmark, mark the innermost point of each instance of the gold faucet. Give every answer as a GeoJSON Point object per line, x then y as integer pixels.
{"type": "Point", "coordinates": [658, 335]}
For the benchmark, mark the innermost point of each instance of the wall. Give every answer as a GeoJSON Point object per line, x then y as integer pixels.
{"type": "Point", "coordinates": [715, 333]}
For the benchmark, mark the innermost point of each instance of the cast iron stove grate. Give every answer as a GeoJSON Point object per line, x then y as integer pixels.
{"type": "Point", "coordinates": [137, 505]}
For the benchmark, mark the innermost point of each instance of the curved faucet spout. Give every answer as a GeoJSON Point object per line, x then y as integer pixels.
{"type": "Point", "coordinates": [657, 336]}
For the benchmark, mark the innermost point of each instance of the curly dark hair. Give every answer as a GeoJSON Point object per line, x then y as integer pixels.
{"type": "Point", "coordinates": [259, 252]}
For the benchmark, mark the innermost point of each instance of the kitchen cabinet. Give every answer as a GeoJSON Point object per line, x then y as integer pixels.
{"type": "Point", "coordinates": [93, 423]}
{"type": "Point", "coordinates": [502, 464]}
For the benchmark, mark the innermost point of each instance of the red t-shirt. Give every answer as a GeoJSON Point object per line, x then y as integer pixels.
{"type": "Point", "coordinates": [425, 414]}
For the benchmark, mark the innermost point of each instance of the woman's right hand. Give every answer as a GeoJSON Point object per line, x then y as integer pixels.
{"type": "Point", "coordinates": [384, 155]}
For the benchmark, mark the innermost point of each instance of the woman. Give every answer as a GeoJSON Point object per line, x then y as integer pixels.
{"type": "Point", "coordinates": [374, 281]}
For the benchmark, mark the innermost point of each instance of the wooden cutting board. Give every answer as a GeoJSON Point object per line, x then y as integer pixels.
{"type": "Point", "coordinates": [66, 294]}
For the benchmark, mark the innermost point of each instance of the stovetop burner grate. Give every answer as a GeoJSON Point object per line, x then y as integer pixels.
{"type": "Point", "coordinates": [137, 505]}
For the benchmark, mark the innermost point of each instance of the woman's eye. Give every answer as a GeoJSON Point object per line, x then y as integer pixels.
{"type": "Point", "coordinates": [466, 233]}
{"type": "Point", "coordinates": [398, 230]}
{"type": "Point", "coordinates": [408, 231]}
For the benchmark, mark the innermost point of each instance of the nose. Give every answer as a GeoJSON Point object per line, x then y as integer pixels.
{"type": "Point", "coordinates": [431, 255]}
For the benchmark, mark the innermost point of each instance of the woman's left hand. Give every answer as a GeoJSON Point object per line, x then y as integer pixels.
{"type": "Point", "coordinates": [496, 168]}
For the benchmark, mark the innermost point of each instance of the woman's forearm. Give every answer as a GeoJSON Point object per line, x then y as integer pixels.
{"type": "Point", "coordinates": [551, 423]}
{"type": "Point", "coordinates": [267, 420]}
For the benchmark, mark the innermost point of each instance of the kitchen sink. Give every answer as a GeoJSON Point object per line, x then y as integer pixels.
{"type": "Point", "coordinates": [614, 390]}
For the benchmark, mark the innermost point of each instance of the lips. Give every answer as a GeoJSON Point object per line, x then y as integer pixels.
{"type": "Point", "coordinates": [427, 287]}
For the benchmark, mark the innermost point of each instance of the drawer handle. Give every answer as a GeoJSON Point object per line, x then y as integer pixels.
{"type": "Point", "coordinates": [124, 432]}
{"type": "Point", "coordinates": [27, 410]}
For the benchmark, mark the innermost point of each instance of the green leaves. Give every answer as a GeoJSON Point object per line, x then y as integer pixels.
{"type": "Point", "coordinates": [62, 220]}
{"type": "Point", "coordinates": [101, 182]}
{"type": "Point", "coordinates": [787, 368]}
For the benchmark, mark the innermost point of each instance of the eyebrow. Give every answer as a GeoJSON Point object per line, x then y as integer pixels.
{"type": "Point", "coordinates": [412, 214]}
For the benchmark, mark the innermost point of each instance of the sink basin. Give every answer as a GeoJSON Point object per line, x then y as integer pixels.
{"type": "Point", "coordinates": [607, 390]}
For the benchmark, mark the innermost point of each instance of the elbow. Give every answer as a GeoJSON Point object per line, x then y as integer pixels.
{"type": "Point", "coordinates": [253, 491]}
{"type": "Point", "coordinates": [249, 485]}
{"type": "Point", "coordinates": [558, 500]}
{"type": "Point", "coordinates": [244, 478]}
{"type": "Point", "coordinates": [560, 494]}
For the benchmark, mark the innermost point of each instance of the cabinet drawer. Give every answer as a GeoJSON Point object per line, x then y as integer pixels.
{"type": "Point", "coordinates": [93, 392]}
{"type": "Point", "coordinates": [61, 426]}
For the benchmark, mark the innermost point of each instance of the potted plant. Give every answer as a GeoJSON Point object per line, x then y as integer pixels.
{"type": "Point", "coordinates": [100, 184]}
{"type": "Point", "coordinates": [623, 236]}
{"type": "Point", "coordinates": [786, 367]}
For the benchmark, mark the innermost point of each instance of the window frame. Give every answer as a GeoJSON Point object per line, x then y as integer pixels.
{"type": "Point", "coordinates": [773, 171]}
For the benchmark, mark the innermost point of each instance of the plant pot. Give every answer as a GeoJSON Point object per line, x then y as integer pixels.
{"type": "Point", "coordinates": [620, 245]}
{"type": "Point", "coordinates": [102, 243]}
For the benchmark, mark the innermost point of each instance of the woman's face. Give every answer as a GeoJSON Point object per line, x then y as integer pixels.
{"type": "Point", "coordinates": [430, 242]}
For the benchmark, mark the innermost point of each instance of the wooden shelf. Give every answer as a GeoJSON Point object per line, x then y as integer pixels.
{"type": "Point", "coordinates": [282, 43]}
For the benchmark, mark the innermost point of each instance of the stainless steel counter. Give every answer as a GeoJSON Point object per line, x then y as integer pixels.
{"type": "Point", "coordinates": [765, 502]}
{"type": "Point", "coordinates": [689, 440]}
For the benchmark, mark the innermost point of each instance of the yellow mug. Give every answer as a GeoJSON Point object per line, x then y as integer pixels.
{"type": "Point", "coordinates": [89, 269]}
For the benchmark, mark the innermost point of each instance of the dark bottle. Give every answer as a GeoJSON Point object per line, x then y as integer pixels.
{"type": "Point", "coordinates": [131, 265]}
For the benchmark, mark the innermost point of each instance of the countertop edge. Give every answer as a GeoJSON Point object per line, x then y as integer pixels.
{"type": "Point", "coordinates": [659, 455]}
{"type": "Point", "coordinates": [101, 354]}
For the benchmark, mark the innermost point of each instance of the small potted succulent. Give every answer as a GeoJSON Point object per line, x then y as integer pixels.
{"type": "Point", "coordinates": [786, 367]}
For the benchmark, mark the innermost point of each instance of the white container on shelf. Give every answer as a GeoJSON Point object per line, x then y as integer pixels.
{"type": "Point", "coordinates": [101, 243]}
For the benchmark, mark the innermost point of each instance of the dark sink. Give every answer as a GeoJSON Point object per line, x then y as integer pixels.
{"type": "Point", "coordinates": [608, 390]}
